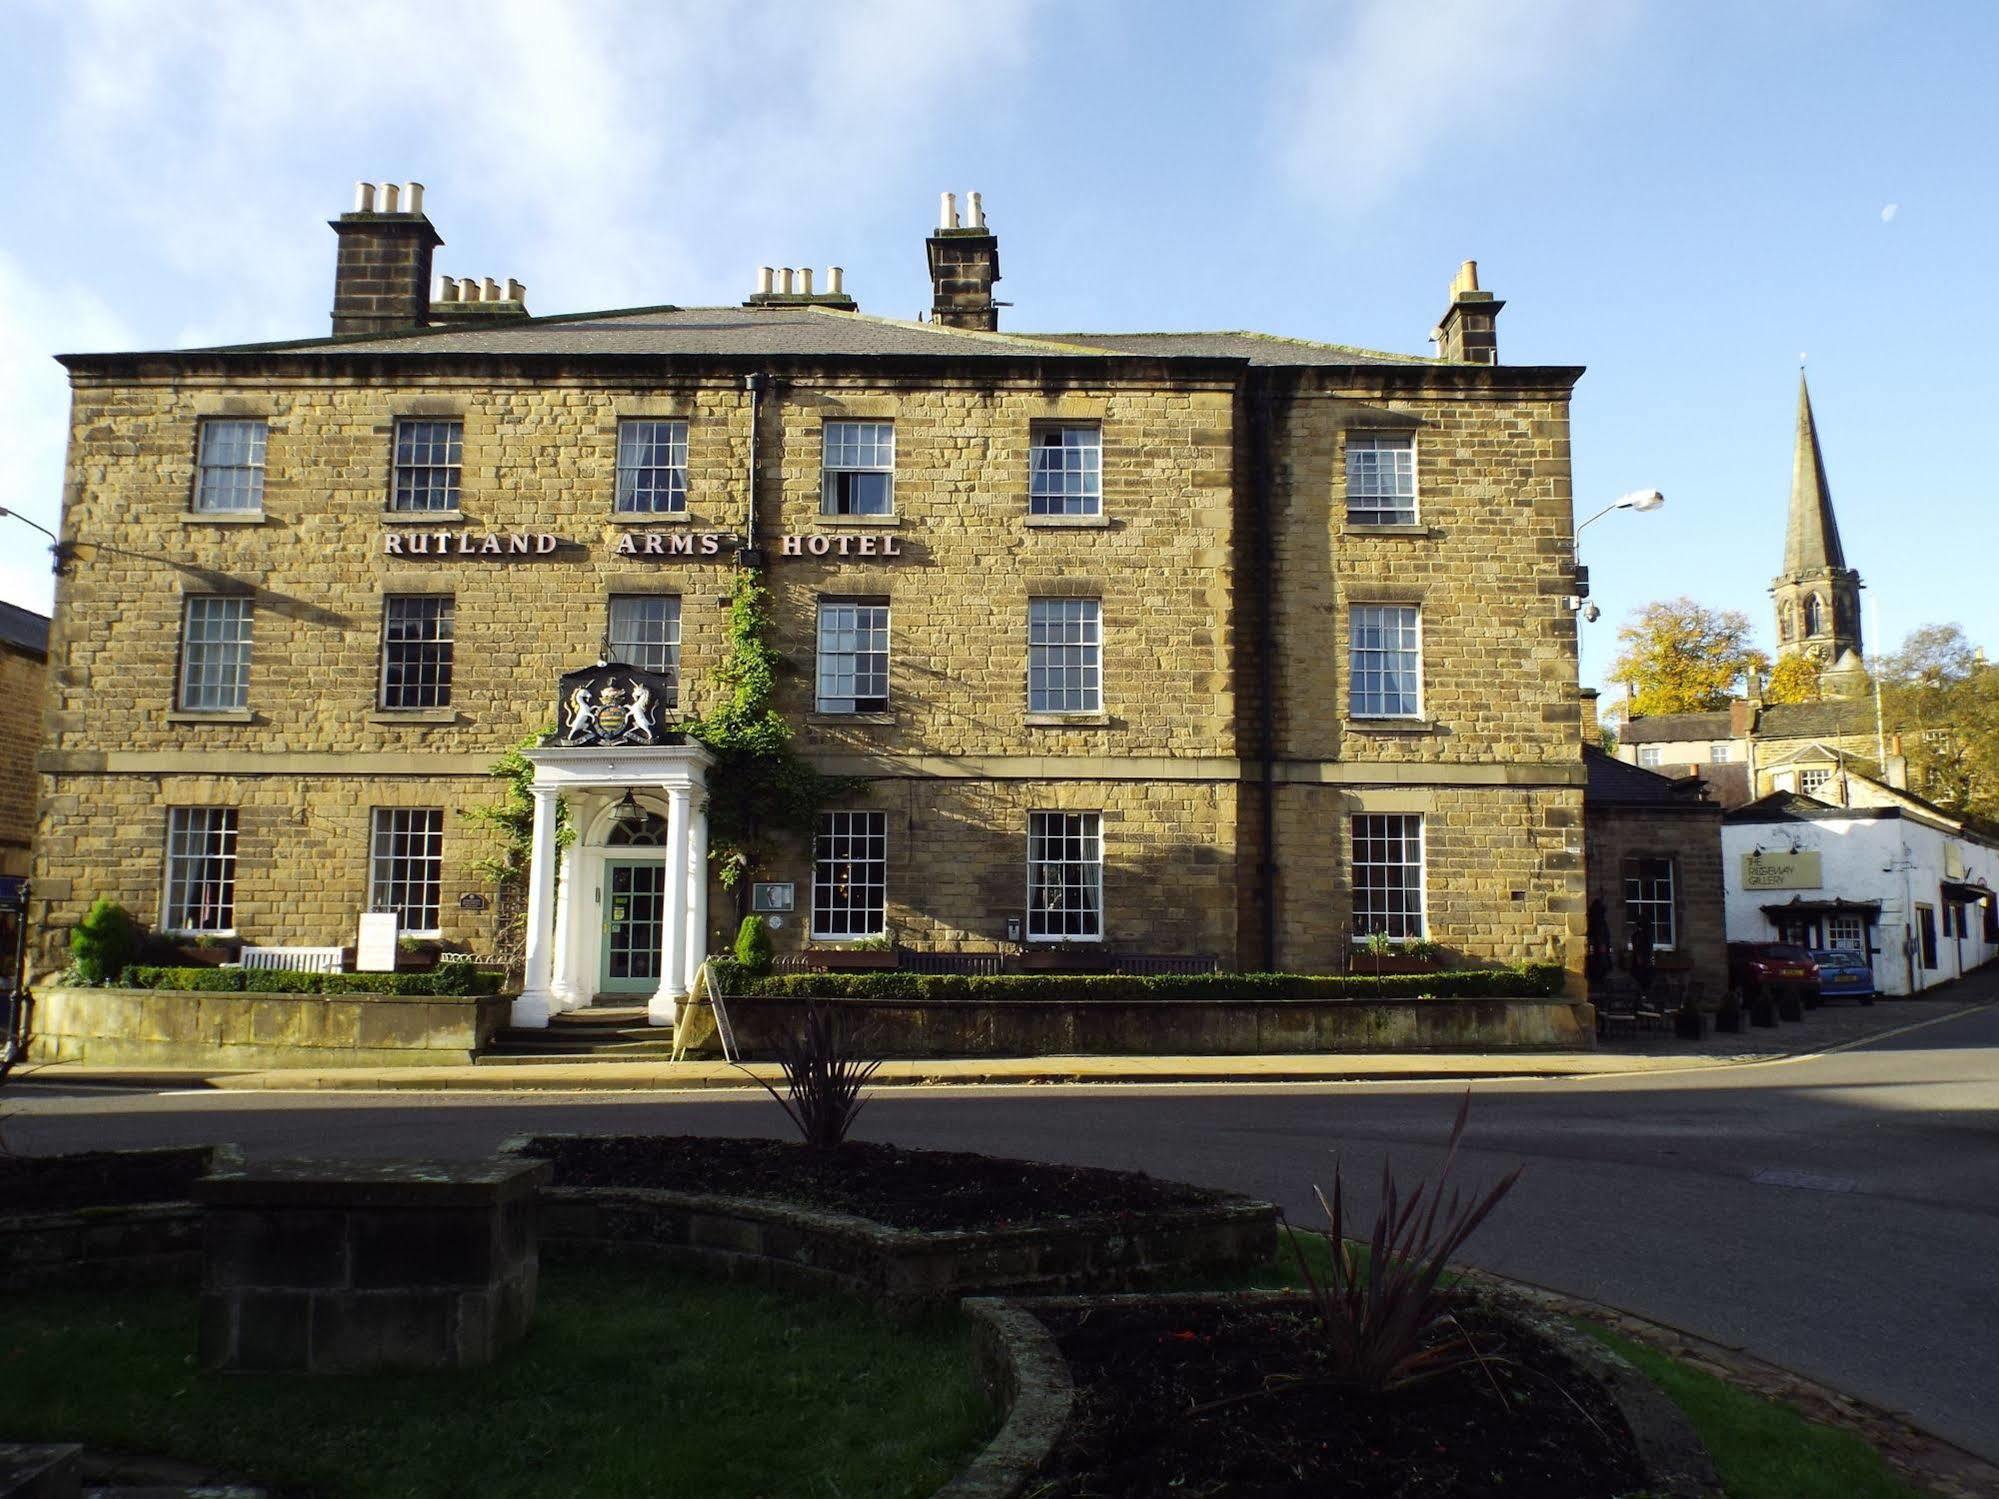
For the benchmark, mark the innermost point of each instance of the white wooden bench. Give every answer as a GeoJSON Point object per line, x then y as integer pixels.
{"type": "Point", "coordinates": [295, 959]}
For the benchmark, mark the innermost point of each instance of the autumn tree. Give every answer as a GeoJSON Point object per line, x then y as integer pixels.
{"type": "Point", "coordinates": [1940, 697]}
{"type": "Point", "coordinates": [1794, 679]}
{"type": "Point", "coordinates": [1680, 656]}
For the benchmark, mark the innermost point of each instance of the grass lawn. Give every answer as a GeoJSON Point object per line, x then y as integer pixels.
{"type": "Point", "coordinates": [633, 1381]}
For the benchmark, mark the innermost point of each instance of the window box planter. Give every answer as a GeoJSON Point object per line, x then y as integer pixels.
{"type": "Point", "coordinates": [417, 957]}
{"type": "Point", "coordinates": [1369, 964]}
{"type": "Point", "coordinates": [849, 959]}
{"type": "Point", "coordinates": [189, 954]}
{"type": "Point", "coordinates": [1065, 960]}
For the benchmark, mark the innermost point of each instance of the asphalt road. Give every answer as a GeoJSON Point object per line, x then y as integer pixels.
{"type": "Point", "coordinates": [1838, 1215]}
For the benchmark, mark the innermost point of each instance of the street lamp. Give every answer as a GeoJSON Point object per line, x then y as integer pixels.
{"type": "Point", "coordinates": [56, 548]}
{"type": "Point", "coordinates": [1640, 500]}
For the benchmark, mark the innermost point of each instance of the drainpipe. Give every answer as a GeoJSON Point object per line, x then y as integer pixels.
{"type": "Point", "coordinates": [1260, 425]}
{"type": "Point", "coordinates": [748, 555]}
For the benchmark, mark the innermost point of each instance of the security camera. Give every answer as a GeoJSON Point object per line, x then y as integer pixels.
{"type": "Point", "coordinates": [1591, 614]}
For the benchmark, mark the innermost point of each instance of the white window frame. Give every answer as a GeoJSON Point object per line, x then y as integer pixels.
{"type": "Point", "coordinates": [433, 463]}
{"type": "Point", "coordinates": [1086, 831]}
{"type": "Point", "coordinates": [1666, 937]}
{"type": "Point", "coordinates": [856, 447]}
{"type": "Point", "coordinates": [440, 641]}
{"type": "Point", "coordinates": [1065, 656]}
{"type": "Point", "coordinates": [1069, 481]}
{"type": "Point", "coordinates": [1650, 756]}
{"type": "Point", "coordinates": [1366, 830]}
{"type": "Point", "coordinates": [834, 858]}
{"type": "Point", "coordinates": [1717, 754]}
{"type": "Point", "coordinates": [394, 871]}
{"type": "Point", "coordinates": [190, 869]}
{"type": "Point", "coordinates": [1381, 662]}
{"type": "Point", "coordinates": [662, 442]}
{"type": "Point", "coordinates": [1846, 933]}
{"type": "Point", "coordinates": [633, 648]}
{"type": "Point", "coordinates": [215, 637]}
{"type": "Point", "coordinates": [1819, 780]}
{"type": "Point", "coordinates": [853, 635]}
{"type": "Point", "coordinates": [1374, 505]}
{"type": "Point", "coordinates": [234, 487]}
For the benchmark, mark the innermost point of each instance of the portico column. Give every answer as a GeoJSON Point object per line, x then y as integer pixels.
{"type": "Point", "coordinates": [562, 983]}
{"type": "Point", "coordinates": [535, 1003]}
{"type": "Point", "coordinates": [673, 930]}
{"type": "Point", "coordinates": [697, 889]}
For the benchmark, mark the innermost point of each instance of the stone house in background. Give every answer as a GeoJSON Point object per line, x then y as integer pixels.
{"type": "Point", "coordinates": [1219, 647]}
{"type": "Point", "coordinates": [24, 657]}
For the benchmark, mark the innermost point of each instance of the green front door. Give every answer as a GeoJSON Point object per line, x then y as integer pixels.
{"type": "Point", "coordinates": [634, 909]}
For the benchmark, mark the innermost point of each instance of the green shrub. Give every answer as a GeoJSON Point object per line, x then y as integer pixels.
{"type": "Point", "coordinates": [1522, 981]}
{"type": "Point", "coordinates": [104, 942]}
{"type": "Point", "coordinates": [753, 946]}
{"type": "Point", "coordinates": [452, 980]}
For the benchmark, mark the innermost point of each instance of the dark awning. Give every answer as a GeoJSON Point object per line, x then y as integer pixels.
{"type": "Point", "coordinates": [1965, 890]}
{"type": "Point", "coordinates": [1866, 910]}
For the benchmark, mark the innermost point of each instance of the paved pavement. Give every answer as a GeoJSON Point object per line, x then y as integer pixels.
{"type": "Point", "coordinates": [1836, 1214]}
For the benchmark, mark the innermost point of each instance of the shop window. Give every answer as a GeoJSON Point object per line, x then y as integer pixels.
{"type": "Point", "coordinates": [429, 455]}
{"type": "Point", "coordinates": [652, 468]}
{"type": "Point", "coordinates": [229, 466]}
{"type": "Point", "coordinates": [1065, 667]}
{"type": "Point", "coordinates": [406, 872]}
{"type": "Point", "coordinates": [859, 477]}
{"type": "Point", "coordinates": [853, 657]}
{"type": "Point", "coordinates": [416, 650]}
{"type": "Point", "coordinates": [1065, 877]}
{"type": "Point", "coordinates": [1065, 475]}
{"type": "Point", "coordinates": [850, 875]}
{"type": "Point", "coordinates": [1385, 661]}
{"type": "Point", "coordinates": [1648, 897]}
{"type": "Point", "coordinates": [1381, 479]}
{"type": "Point", "coordinates": [1388, 875]}
{"type": "Point", "coordinates": [645, 632]}
{"type": "Point", "coordinates": [201, 870]}
{"type": "Point", "coordinates": [215, 653]}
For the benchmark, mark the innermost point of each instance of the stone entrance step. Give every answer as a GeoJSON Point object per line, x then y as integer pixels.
{"type": "Point", "coordinates": [581, 1036]}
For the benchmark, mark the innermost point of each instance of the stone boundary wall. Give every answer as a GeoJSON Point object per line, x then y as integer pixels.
{"type": "Point", "coordinates": [190, 1028]}
{"type": "Point", "coordinates": [901, 1269]}
{"type": "Point", "coordinates": [148, 1244]}
{"type": "Point", "coordinates": [1162, 1027]}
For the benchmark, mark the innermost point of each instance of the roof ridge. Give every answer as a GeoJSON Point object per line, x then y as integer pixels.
{"type": "Point", "coordinates": [979, 335]}
{"type": "Point", "coordinates": [1393, 355]}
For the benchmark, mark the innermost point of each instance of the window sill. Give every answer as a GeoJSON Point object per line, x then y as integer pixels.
{"type": "Point", "coordinates": [1390, 726]}
{"type": "Point", "coordinates": [856, 520]}
{"type": "Point", "coordinates": [422, 517]}
{"type": "Point", "coordinates": [1068, 523]}
{"type": "Point", "coordinates": [649, 518]}
{"type": "Point", "coordinates": [211, 715]}
{"type": "Point", "coordinates": [223, 518]}
{"type": "Point", "coordinates": [1068, 720]}
{"type": "Point", "coordinates": [1368, 528]}
{"type": "Point", "coordinates": [419, 716]}
{"type": "Point", "coordinates": [836, 719]}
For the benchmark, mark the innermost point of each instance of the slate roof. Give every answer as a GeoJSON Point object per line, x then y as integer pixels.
{"type": "Point", "coordinates": [1257, 348]}
{"type": "Point", "coordinates": [1829, 719]}
{"type": "Point", "coordinates": [1612, 783]}
{"type": "Point", "coordinates": [24, 629]}
{"type": "Point", "coordinates": [1672, 728]}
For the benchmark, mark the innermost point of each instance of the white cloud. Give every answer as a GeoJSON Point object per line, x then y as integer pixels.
{"type": "Point", "coordinates": [1395, 83]}
{"type": "Point", "coordinates": [1888, 213]}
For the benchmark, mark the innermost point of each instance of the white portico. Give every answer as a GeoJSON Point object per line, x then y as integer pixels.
{"type": "Point", "coordinates": [623, 909]}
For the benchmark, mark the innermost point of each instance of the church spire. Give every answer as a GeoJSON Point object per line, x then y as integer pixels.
{"type": "Point", "coordinates": [1811, 540]}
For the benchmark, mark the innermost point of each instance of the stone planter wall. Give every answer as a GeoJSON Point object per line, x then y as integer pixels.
{"type": "Point", "coordinates": [903, 1269]}
{"type": "Point", "coordinates": [117, 1243]}
{"type": "Point", "coordinates": [1162, 1027]}
{"type": "Point", "coordinates": [189, 1028]}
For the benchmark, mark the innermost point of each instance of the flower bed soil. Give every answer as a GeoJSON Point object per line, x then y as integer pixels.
{"type": "Point", "coordinates": [926, 1190]}
{"type": "Point", "coordinates": [1211, 1399]}
{"type": "Point", "coordinates": [98, 1178]}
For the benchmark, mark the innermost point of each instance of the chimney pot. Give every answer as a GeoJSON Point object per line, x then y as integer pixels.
{"type": "Point", "coordinates": [784, 280]}
{"type": "Point", "coordinates": [975, 211]}
{"type": "Point", "coordinates": [947, 210]}
{"type": "Point", "coordinates": [364, 197]}
{"type": "Point", "coordinates": [1467, 278]}
{"type": "Point", "coordinates": [836, 280]}
{"type": "Point", "coordinates": [447, 290]}
{"type": "Point", "coordinates": [1467, 332]}
{"type": "Point", "coordinates": [805, 281]}
{"type": "Point", "coordinates": [765, 275]}
{"type": "Point", "coordinates": [489, 290]}
{"type": "Point", "coordinates": [391, 195]}
{"type": "Point", "coordinates": [412, 197]}
{"type": "Point", "coordinates": [515, 291]}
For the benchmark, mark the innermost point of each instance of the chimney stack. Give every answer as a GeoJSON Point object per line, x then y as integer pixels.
{"type": "Point", "coordinates": [1592, 728]}
{"type": "Point", "coordinates": [1466, 333]}
{"type": "Point", "coordinates": [381, 274]}
{"type": "Point", "coordinates": [964, 264]}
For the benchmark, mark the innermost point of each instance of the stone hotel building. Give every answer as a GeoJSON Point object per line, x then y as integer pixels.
{"type": "Point", "coordinates": [1218, 646]}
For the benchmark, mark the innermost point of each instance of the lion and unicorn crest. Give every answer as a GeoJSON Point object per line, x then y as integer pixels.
{"type": "Point", "coordinates": [610, 715]}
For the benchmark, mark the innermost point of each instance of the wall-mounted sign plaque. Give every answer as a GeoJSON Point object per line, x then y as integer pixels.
{"type": "Point", "coordinates": [1781, 872]}
{"type": "Point", "coordinates": [772, 898]}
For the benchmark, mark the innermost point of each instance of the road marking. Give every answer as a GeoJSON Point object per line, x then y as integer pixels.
{"type": "Point", "coordinates": [1777, 1177]}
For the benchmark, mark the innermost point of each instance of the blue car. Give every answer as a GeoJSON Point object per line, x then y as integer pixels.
{"type": "Point", "coordinates": [1845, 975]}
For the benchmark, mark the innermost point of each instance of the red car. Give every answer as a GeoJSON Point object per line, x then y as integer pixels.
{"type": "Point", "coordinates": [1782, 970]}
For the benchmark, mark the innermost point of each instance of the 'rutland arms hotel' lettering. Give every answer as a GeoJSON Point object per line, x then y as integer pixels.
{"type": "Point", "coordinates": [631, 544]}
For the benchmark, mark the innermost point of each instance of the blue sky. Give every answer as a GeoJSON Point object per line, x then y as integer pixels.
{"type": "Point", "coordinates": [1683, 197]}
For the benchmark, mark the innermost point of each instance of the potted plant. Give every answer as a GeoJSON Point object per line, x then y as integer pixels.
{"type": "Point", "coordinates": [1728, 1018]}
{"type": "Point", "coordinates": [415, 954]}
{"type": "Point", "coordinates": [1380, 954]}
{"type": "Point", "coordinates": [207, 951]}
{"type": "Point", "coordinates": [1689, 1024]}
{"type": "Point", "coordinates": [866, 952]}
{"type": "Point", "coordinates": [1762, 1009]}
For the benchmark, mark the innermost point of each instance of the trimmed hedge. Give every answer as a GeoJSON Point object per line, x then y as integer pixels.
{"type": "Point", "coordinates": [449, 979]}
{"type": "Point", "coordinates": [1521, 981]}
